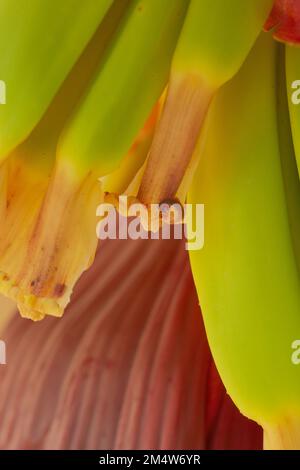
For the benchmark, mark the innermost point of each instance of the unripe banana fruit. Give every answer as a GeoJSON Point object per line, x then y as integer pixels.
{"type": "Point", "coordinates": [293, 90]}
{"type": "Point", "coordinates": [247, 274]}
{"type": "Point", "coordinates": [39, 45]}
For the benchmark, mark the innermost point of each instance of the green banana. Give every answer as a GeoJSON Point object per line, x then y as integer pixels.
{"type": "Point", "coordinates": [38, 47]}
{"type": "Point", "coordinates": [120, 180]}
{"type": "Point", "coordinates": [288, 155]}
{"type": "Point", "coordinates": [215, 40]}
{"type": "Point", "coordinates": [293, 87]}
{"type": "Point", "coordinates": [217, 37]}
{"type": "Point", "coordinates": [129, 83]}
{"type": "Point", "coordinates": [247, 274]}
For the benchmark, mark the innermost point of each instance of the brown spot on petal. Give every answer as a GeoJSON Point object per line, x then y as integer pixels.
{"type": "Point", "coordinates": [59, 290]}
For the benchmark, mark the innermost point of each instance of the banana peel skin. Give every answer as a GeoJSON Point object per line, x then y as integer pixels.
{"type": "Point", "coordinates": [38, 47]}
{"type": "Point", "coordinates": [293, 84]}
{"type": "Point", "coordinates": [130, 81]}
{"type": "Point", "coordinates": [247, 274]}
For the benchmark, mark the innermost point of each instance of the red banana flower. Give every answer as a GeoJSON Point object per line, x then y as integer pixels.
{"type": "Point", "coordinates": [127, 367]}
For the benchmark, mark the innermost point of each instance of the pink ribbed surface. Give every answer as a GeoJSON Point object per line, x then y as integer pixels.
{"type": "Point", "coordinates": [127, 367]}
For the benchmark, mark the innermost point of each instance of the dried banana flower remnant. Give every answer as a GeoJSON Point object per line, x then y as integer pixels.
{"type": "Point", "coordinates": [41, 260]}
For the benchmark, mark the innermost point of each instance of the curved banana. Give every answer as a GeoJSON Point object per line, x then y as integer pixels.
{"type": "Point", "coordinates": [247, 274]}
{"type": "Point", "coordinates": [127, 86]}
{"type": "Point", "coordinates": [293, 90]}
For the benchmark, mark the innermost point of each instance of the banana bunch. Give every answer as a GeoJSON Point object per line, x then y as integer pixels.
{"type": "Point", "coordinates": [83, 102]}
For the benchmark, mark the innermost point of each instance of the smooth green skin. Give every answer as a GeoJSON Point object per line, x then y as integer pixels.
{"type": "Point", "coordinates": [126, 88]}
{"type": "Point", "coordinates": [293, 74]}
{"type": "Point", "coordinates": [287, 152]}
{"type": "Point", "coordinates": [247, 274]}
{"type": "Point", "coordinates": [39, 43]}
{"type": "Point", "coordinates": [217, 37]}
